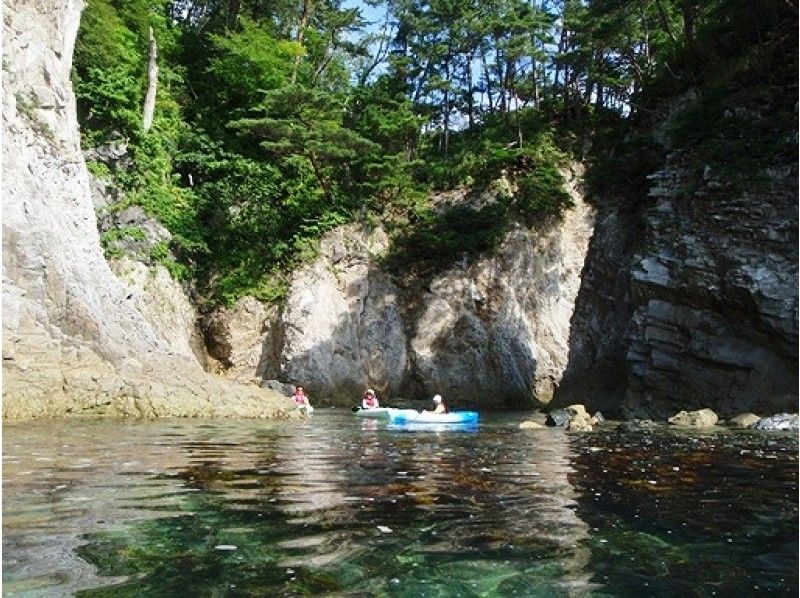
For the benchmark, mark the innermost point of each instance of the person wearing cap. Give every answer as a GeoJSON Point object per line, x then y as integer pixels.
{"type": "Point", "coordinates": [439, 406]}
{"type": "Point", "coordinates": [369, 401]}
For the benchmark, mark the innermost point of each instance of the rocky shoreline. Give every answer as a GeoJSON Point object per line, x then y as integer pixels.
{"type": "Point", "coordinates": [84, 385]}
{"type": "Point", "coordinates": [576, 418]}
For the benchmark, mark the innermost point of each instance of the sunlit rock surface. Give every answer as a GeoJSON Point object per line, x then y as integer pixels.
{"type": "Point", "coordinates": [341, 329]}
{"type": "Point", "coordinates": [241, 339]}
{"type": "Point", "coordinates": [76, 339]}
{"type": "Point", "coordinates": [494, 332]}
{"type": "Point", "coordinates": [780, 421]}
{"type": "Point", "coordinates": [497, 332]}
{"type": "Point", "coordinates": [743, 420]}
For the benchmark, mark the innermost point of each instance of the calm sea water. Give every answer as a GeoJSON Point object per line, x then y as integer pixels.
{"type": "Point", "coordinates": [344, 506]}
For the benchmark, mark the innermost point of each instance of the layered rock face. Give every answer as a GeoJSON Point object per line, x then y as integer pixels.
{"type": "Point", "coordinates": [690, 302]}
{"type": "Point", "coordinates": [76, 339]}
{"type": "Point", "coordinates": [717, 302]}
{"type": "Point", "coordinates": [493, 332]}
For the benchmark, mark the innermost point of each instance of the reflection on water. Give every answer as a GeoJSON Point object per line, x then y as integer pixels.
{"type": "Point", "coordinates": [703, 513]}
{"type": "Point", "coordinates": [341, 504]}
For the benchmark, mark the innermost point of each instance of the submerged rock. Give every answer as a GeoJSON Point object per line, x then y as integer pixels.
{"type": "Point", "coordinates": [636, 425]}
{"type": "Point", "coordinates": [531, 425]}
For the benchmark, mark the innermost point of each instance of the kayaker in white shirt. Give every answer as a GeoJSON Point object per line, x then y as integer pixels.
{"type": "Point", "coordinates": [439, 406]}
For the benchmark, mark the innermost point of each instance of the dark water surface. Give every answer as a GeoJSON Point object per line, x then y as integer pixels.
{"type": "Point", "coordinates": [344, 506]}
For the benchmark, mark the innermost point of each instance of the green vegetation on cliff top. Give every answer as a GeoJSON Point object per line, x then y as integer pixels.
{"type": "Point", "coordinates": [276, 122]}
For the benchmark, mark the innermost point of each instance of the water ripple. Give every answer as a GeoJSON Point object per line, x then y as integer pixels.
{"type": "Point", "coordinates": [329, 506]}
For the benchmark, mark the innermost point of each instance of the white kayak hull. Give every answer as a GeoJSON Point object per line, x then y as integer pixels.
{"type": "Point", "coordinates": [377, 412]}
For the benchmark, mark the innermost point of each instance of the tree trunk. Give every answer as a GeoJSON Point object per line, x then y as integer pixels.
{"type": "Point", "coordinates": [470, 99]}
{"type": "Point", "coordinates": [152, 84]}
{"type": "Point", "coordinates": [321, 178]}
{"type": "Point", "coordinates": [233, 12]}
{"type": "Point", "coordinates": [301, 31]}
{"type": "Point", "coordinates": [421, 83]}
{"type": "Point", "coordinates": [561, 66]}
{"type": "Point", "coordinates": [447, 107]}
{"type": "Point", "coordinates": [664, 21]}
{"type": "Point", "coordinates": [501, 76]}
{"type": "Point", "coordinates": [487, 75]}
{"type": "Point", "coordinates": [688, 9]}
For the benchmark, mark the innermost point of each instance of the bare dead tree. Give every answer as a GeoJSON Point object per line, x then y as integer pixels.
{"type": "Point", "coordinates": [305, 17]}
{"type": "Point", "coordinates": [152, 84]}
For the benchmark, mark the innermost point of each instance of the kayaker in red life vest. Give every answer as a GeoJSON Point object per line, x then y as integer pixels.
{"type": "Point", "coordinates": [369, 401]}
{"type": "Point", "coordinates": [439, 406]}
{"type": "Point", "coordinates": [300, 398]}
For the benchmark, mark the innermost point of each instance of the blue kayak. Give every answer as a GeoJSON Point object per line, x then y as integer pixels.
{"type": "Point", "coordinates": [409, 416]}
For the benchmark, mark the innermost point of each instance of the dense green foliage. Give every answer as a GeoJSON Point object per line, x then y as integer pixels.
{"type": "Point", "coordinates": [277, 121]}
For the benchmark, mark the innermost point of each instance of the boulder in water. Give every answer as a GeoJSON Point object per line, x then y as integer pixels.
{"type": "Point", "coordinates": [559, 418]}
{"type": "Point", "coordinates": [744, 420]}
{"type": "Point", "coordinates": [780, 421]}
{"type": "Point", "coordinates": [702, 418]}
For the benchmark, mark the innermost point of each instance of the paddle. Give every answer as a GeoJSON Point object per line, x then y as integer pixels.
{"type": "Point", "coordinates": [355, 409]}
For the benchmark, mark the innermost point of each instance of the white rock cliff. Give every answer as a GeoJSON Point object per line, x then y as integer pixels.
{"type": "Point", "coordinates": [76, 339]}
{"type": "Point", "coordinates": [494, 332]}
